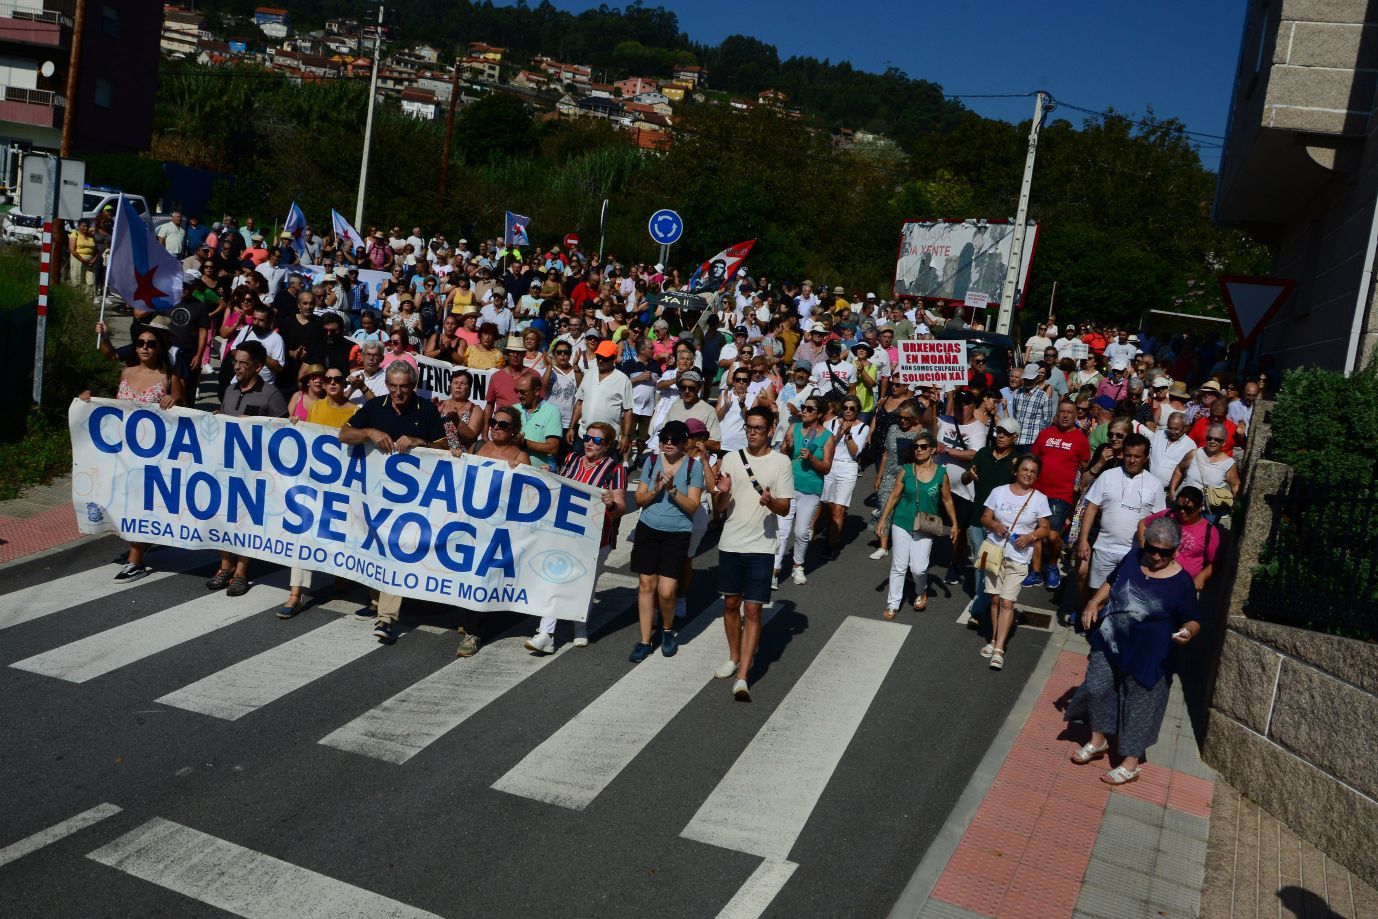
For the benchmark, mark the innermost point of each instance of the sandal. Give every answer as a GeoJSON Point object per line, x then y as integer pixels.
{"type": "Point", "coordinates": [890, 613]}
{"type": "Point", "coordinates": [1121, 776]}
{"type": "Point", "coordinates": [238, 587]}
{"type": "Point", "coordinates": [920, 603]}
{"type": "Point", "coordinates": [988, 650]}
{"type": "Point", "coordinates": [220, 580]}
{"type": "Point", "coordinates": [997, 660]}
{"type": "Point", "coordinates": [1089, 752]}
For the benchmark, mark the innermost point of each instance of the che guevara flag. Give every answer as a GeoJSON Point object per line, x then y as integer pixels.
{"type": "Point", "coordinates": [717, 272]}
{"type": "Point", "coordinates": [147, 276]}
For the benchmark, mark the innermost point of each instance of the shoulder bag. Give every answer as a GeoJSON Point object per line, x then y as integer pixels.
{"type": "Point", "coordinates": [929, 524]}
{"type": "Point", "coordinates": [993, 551]}
{"type": "Point", "coordinates": [1219, 498]}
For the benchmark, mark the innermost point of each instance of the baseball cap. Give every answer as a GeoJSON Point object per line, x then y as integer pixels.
{"type": "Point", "coordinates": [1031, 371]}
{"type": "Point", "coordinates": [921, 330]}
{"type": "Point", "coordinates": [1105, 402]}
{"type": "Point", "coordinates": [870, 296]}
{"type": "Point", "coordinates": [606, 349]}
{"type": "Point", "coordinates": [740, 330]}
{"type": "Point", "coordinates": [806, 366]}
{"type": "Point", "coordinates": [1008, 424]}
{"type": "Point", "coordinates": [692, 375]}
{"type": "Point", "coordinates": [593, 333]}
{"type": "Point", "coordinates": [696, 427]}
{"type": "Point", "coordinates": [1162, 382]}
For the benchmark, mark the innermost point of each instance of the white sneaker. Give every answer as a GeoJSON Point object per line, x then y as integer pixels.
{"type": "Point", "coordinates": [775, 582]}
{"type": "Point", "coordinates": [541, 643]}
{"type": "Point", "coordinates": [581, 634]}
{"type": "Point", "coordinates": [879, 553]}
{"type": "Point", "coordinates": [725, 670]}
{"type": "Point", "coordinates": [797, 575]}
{"type": "Point", "coordinates": [681, 608]}
{"type": "Point", "coordinates": [740, 691]}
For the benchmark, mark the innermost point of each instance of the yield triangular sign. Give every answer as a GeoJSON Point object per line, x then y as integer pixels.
{"type": "Point", "coordinates": [1253, 301]}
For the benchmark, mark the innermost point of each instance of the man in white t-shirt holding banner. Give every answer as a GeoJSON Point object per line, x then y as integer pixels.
{"type": "Point", "coordinates": [753, 493]}
{"type": "Point", "coordinates": [1119, 498]}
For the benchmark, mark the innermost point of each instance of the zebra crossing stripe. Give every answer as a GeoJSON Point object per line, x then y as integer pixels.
{"type": "Point", "coordinates": [424, 712]}
{"type": "Point", "coordinates": [29, 603]}
{"type": "Point", "coordinates": [753, 897]}
{"type": "Point", "coordinates": [56, 832]}
{"type": "Point", "coordinates": [576, 763]}
{"type": "Point", "coordinates": [761, 805]}
{"type": "Point", "coordinates": [125, 644]}
{"type": "Point", "coordinates": [251, 684]}
{"type": "Point", "coordinates": [240, 880]}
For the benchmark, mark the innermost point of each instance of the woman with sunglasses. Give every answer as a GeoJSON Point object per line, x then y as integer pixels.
{"type": "Point", "coordinates": [310, 390]}
{"type": "Point", "coordinates": [464, 420]}
{"type": "Point", "coordinates": [669, 494]}
{"type": "Point", "coordinates": [1135, 622]}
{"type": "Point", "coordinates": [146, 380]}
{"type": "Point", "coordinates": [921, 487]}
{"type": "Point", "coordinates": [1200, 538]}
{"type": "Point", "coordinates": [812, 448]}
{"type": "Point", "coordinates": [852, 434]}
{"type": "Point", "coordinates": [897, 449]}
{"type": "Point", "coordinates": [1212, 470]}
{"type": "Point", "coordinates": [504, 441]}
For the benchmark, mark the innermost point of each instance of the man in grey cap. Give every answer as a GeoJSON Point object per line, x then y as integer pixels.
{"type": "Point", "coordinates": [691, 404]}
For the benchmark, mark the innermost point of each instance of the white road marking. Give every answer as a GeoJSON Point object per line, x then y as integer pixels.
{"type": "Point", "coordinates": [39, 600]}
{"type": "Point", "coordinates": [761, 805]}
{"type": "Point", "coordinates": [55, 832]}
{"type": "Point", "coordinates": [251, 684]}
{"type": "Point", "coordinates": [424, 712]}
{"type": "Point", "coordinates": [576, 763]}
{"type": "Point", "coordinates": [240, 880]}
{"type": "Point", "coordinates": [754, 896]}
{"type": "Point", "coordinates": [133, 641]}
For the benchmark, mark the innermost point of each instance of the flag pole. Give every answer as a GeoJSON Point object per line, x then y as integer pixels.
{"type": "Point", "coordinates": [105, 289]}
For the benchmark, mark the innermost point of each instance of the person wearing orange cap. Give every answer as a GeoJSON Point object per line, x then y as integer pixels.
{"type": "Point", "coordinates": [604, 395]}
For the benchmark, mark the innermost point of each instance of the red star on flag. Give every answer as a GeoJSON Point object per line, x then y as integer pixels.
{"type": "Point", "coordinates": [147, 291]}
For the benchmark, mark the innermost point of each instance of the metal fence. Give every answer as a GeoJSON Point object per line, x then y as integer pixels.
{"type": "Point", "coordinates": [1319, 569]}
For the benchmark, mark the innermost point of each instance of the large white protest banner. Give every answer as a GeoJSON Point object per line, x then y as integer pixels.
{"type": "Point", "coordinates": [464, 531]}
{"type": "Point", "coordinates": [950, 259]}
{"type": "Point", "coordinates": [933, 363]}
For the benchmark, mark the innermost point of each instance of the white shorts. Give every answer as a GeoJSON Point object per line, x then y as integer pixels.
{"type": "Point", "coordinates": [838, 484]}
{"type": "Point", "coordinates": [1103, 562]}
{"type": "Point", "coordinates": [700, 528]}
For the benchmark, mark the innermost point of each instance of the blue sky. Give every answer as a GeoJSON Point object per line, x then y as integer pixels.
{"type": "Point", "coordinates": [1175, 56]}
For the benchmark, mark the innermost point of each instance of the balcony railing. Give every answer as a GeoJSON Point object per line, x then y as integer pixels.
{"type": "Point", "coordinates": [33, 96]}
{"type": "Point", "coordinates": [55, 12]}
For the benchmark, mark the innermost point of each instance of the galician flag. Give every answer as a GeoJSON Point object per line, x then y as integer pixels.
{"type": "Point", "coordinates": [344, 231]}
{"type": "Point", "coordinates": [146, 275]}
{"type": "Point", "coordinates": [515, 234]}
{"type": "Point", "coordinates": [296, 225]}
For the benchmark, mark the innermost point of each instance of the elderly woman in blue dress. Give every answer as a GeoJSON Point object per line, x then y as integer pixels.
{"type": "Point", "coordinates": [1135, 621]}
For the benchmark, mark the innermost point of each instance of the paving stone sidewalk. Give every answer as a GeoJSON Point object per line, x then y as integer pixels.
{"type": "Point", "coordinates": [41, 518]}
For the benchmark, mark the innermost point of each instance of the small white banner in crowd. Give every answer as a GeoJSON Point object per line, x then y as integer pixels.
{"type": "Point", "coordinates": [976, 300]}
{"type": "Point", "coordinates": [463, 531]}
{"type": "Point", "coordinates": [933, 363]}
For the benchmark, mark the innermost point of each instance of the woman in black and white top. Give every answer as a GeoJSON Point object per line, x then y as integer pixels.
{"type": "Point", "coordinates": [851, 434]}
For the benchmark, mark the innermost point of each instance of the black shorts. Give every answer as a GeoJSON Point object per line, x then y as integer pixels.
{"type": "Point", "coordinates": [746, 575]}
{"type": "Point", "coordinates": [658, 552]}
{"type": "Point", "coordinates": [963, 508]}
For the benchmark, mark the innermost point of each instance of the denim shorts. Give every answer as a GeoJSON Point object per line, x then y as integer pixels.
{"type": "Point", "coordinates": [745, 575]}
{"type": "Point", "coordinates": [1058, 513]}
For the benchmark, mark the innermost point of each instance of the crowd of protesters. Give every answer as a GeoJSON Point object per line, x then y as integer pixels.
{"type": "Point", "coordinates": [1099, 455]}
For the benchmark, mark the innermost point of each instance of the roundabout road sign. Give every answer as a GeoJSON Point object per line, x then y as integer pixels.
{"type": "Point", "coordinates": [666, 227]}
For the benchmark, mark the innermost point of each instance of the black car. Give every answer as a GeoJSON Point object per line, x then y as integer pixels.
{"type": "Point", "coordinates": [1000, 350]}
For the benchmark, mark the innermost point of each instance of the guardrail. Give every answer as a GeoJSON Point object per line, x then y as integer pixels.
{"type": "Point", "coordinates": [62, 15]}
{"type": "Point", "coordinates": [33, 96]}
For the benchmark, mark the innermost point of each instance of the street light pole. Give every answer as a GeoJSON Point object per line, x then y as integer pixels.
{"type": "Point", "coordinates": [1005, 322]}
{"type": "Point", "coordinates": [368, 122]}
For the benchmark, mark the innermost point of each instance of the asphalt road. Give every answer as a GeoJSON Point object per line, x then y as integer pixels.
{"type": "Point", "coordinates": [620, 790]}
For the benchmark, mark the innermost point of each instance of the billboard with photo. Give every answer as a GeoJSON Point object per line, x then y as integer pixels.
{"type": "Point", "coordinates": [952, 259]}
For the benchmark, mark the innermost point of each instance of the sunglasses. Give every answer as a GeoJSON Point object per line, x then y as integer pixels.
{"type": "Point", "coordinates": [395, 341]}
{"type": "Point", "coordinates": [1159, 551]}
{"type": "Point", "coordinates": [1114, 434]}
{"type": "Point", "coordinates": [500, 425]}
{"type": "Point", "coordinates": [596, 441]}
{"type": "Point", "coordinates": [741, 379]}
{"type": "Point", "coordinates": [334, 378]}
{"type": "Point", "coordinates": [674, 440]}
{"type": "Point", "coordinates": [146, 343]}
{"type": "Point", "coordinates": [1215, 440]}
{"type": "Point", "coordinates": [810, 408]}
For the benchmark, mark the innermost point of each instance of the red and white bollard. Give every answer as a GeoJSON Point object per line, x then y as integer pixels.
{"type": "Point", "coordinates": [44, 273]}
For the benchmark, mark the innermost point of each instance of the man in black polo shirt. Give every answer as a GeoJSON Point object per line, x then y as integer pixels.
{"type": "Point", "coordinates": [248, 396]}
{"type": "Point", "coordinates": [395, 423]}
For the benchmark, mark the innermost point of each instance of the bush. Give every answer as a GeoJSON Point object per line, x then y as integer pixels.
{"type": "Point", "coordinates": [42, 454]}
{"type": "Point", "coordinates": [1325, 425]}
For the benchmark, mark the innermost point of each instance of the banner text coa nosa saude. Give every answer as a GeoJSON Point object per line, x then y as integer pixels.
{"type": "Point", "coordinates": [464, 531]}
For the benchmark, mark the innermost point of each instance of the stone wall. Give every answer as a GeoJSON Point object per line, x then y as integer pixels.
{"type": "Point", "coordinates": [1293, 719]}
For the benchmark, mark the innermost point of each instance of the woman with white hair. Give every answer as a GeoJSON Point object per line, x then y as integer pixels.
{"type": "Point", "coordinates": [1211, 469]}
{"type": "Point", "coordinates": [1135, 621]}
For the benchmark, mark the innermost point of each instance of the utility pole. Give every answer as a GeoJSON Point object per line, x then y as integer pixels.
{"type": "Point", "coordinates": [449, 132]}
{"type": "Point", "coordinates": [1043, 103]}
{"type": "Point", "coordinates": [368, 122]}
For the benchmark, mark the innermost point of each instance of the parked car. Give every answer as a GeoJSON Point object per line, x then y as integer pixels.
{"type": "Point", "coordinates": [19, 226]}
{"type": "Point", "coordinates": [999, 350]}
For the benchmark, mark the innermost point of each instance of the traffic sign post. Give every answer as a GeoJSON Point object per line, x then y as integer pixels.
{"type": "Point", "coordinates": [1252, 302]}
{"type": "Point", "coordinates": [571, 240]}
{"type": "Point", "coordinates": [665, 227]}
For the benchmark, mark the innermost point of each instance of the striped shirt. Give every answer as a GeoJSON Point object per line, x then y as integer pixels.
{"type": "Point", "coordinates": [608, 473]}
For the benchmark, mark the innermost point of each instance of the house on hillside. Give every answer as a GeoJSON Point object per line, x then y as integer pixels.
{"type": "Point", "coordinates": [481, 69]}
{"type": "Point", "coordinates": [657, 101]}
{"type": "Point", "coordinates": [675, 92]}
{"type": "Point", "coordinates": [487, 52]}
{"type": "Point", "coordinates": [567, 107]}
{"type": "Point", "coordinates": [567, 74]}
{"type": "Point", "coordinates": [694, 75]}
{"type": "Point", "coordinates": [650, 140]}
{"type": "Point", "coordinates": [741, 105]}
{"type": "Point", "coordinates": [425, 53]}
{"type": "Point", "coordinates": [600, 107]}
{"type": "Point", "coordinates": [528, 79]}
{"type": "Point", "coordinates": [340, 44]}
{"type": "Point", "coordinates": [600, 90]}
{"type": "Point", "coordinates": [772, 98]}
{"type": "Point", "coordinates": [437, 84]}
{"type": "Point", "coordinates": [272, 22]}
{"type": "Point", "coordinates": [635, 86]}
{"type": "Point", "coordinates": [419, 103]}
{"type": "Point", "coordinates": [342, 26]}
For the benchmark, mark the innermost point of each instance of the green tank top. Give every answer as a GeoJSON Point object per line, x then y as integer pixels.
{"type": "Point", "coordinates": [918, 497]}
{"type": "Point", "coordinates": [807, 480]}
